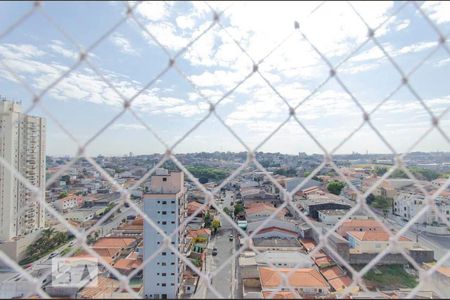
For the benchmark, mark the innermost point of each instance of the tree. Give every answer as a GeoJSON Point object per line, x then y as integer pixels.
{"type": "Point", "coordinates": [238, 208]}
{"type": "Point", "coordinates": [370, 199]}
{"type": "Point", "coordinates": [335, 187]}
{"type": "Point", "coordinates": [227, 211]}
{"type": "Point", "coordinates": [62, 195]}
{"type": "Point", "coordinates": [380, 171]}
{"type": "Point", "coordinates": [207, 219]}
{"type": "Point", "coordinates": [215, 225]}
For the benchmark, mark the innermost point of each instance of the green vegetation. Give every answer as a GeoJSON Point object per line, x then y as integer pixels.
{"type": "Point", "coordinates": [227, 211]}
{"type": "Point", "coordinates": [238, 208]}
{"type": "Point", "coordinates": [66, 250]}
{"type": "Point", "coordinates": [380, 170]}
{"type": "Point", "coordinates": [207, 220]}
{"type": "Point", "coordinates": [62, 195]}
{"type": "Point", "coordinates": [382, 202]}
{"type": "Point", "coordinates": [199, 240]}
{"type": "Point", "coordinates": [391, 277]}
{"type": "Point", "coordinates": [197, 262]}
{"type": "Point", "coordinates": [205, 174]}
{"type": "Point", "coordinates": [215, 225]}
{"type": "Point", "coordinates": [420, 173]}
{"type": "Point", "coordinates": [335, 187]}
{"type": "Point", "coordinates": [269, 164]}
{"type": "Point", "coordinates": [65, 178]}
{"type": "Point", "coordinates": [288, 172]}
{"type": "Point", "coordinates": [47, 242]}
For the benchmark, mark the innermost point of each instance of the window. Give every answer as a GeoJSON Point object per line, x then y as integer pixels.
{"type": "Point", "coordinates": [163, 253]}
{"type": "Point", "coordinates": [173, 201]}
{"type": "Point", "coordinates": [164, 212]}
{"type": "Point", "coordinates": [164, 179]}
{"type": "Point", "coordinates": [163, 284]}
{"type": "Point", "coordinates": [163, 274]}
{"type": "Point", "coordinates": [164, 222]}
{"type": "Point", "coordinates": [164, 202]}
{"type": "Point", "coordinates": [163, 264]}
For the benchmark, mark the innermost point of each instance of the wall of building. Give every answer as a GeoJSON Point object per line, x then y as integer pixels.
{"type": "Point", "coordinates": [365, 258]}
{"type": "Point", "coordinates": [22, 146]}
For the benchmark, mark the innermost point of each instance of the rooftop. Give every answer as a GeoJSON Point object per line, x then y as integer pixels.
{"type": "Point", "coordinates": [374, 236]}
{"type": "Point", "coordinates": [261, 242]}
{"type": "Point", "coordinates": [307, 277]}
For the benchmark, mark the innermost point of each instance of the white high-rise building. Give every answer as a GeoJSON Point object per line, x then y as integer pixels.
{"type": "Point", "coordinates": [165, 205]}
{"type": "Point", "coordinates": [22, 146]}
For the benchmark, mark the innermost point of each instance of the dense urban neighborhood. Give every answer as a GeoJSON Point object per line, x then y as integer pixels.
{"type": "Point", "coordinates": [243, 229]}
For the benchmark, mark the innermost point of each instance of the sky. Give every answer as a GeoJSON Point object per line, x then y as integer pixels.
{"type": "Point", "coordinates": [128, 56]}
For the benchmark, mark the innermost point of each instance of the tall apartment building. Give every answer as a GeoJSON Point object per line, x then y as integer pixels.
{"type": "Point", "coordinates": [165, 205]}
{"type": "Point", "coordinates": [22, 145]}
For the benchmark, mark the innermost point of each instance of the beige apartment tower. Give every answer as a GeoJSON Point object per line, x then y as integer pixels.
{"type": "Point", "coordinates": [22, 146]}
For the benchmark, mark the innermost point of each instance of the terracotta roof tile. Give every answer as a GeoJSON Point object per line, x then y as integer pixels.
{"type": "Point", "coordinates": [307, 277]}
{"type": "Point", "coordinates": [373, 236]}
{"type": "Point", "coordinates": [331, 273]}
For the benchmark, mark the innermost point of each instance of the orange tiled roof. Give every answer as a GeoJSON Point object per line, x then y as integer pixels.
{"type": "Point", "coordinates": [308, 244]}
{"type": "Point", "coordinates": [193, 206]}
{"type": "Point", "coordinates": [280, 295]}
{"type": "Point", "coordinates": [113, 242]}
{"type": "Point", "coordinates": [274, 228]}
{"type": "Point", "coordinates": [307, 277]}
{"type": "Point", "coordinates": [324, 260]}
{"type": "Point", "coordinates": [373, 236]}
{"type": "Point", "coordinates": [138, 221]}
{"type": "Point", "coordinates": [127, 263]}
{"type": "Point", "coordinates": [201, 231]}
{"type": "Point", "coordinates": [105, 287]}
{"type": "Point", "coordinates": [361, 223]}
{"type": "Point", "coordinates": [340, 283]}
{"type": "Point", "coordinates": [332, 273]}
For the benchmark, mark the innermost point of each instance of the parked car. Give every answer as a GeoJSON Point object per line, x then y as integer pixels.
{"type": "Point", "coordinates": [52, 255]}
{"type": "Point", "coordinates": [214, 252]}
{"type": "Point", "coordinates": [231, 237]}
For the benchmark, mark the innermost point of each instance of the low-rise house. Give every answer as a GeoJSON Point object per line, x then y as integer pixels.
{"type": "Point", "coordinates": [359, 225]}
{"type": "Point", "coordinates": [126, 265]}
{"type": "Point", "coordinates": [331, 216]}
{"type": "Point", "coordinates": [110, 248]}
{"type": "Point", "coordinates": [286, 227]}
{"type": "Point", "coordinates": [374, 242]}
{"type": "Point", "coordinates": [308, 186]}
{"type": "Point", "coordinates": [80, 215]}
{"type": "Point", "coordinates": [261, 211]}
{"type": "Point", "coordinates": [68, 202]}
{"type": "Point", "coordinates": [250, 261]}
{"type": "Point", "coordinates": [308, 282]}
{"type": "Point", "coordinates": [193, 206]}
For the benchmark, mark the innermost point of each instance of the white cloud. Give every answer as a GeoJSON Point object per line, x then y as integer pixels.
{"type": "Point", "coordinates": [154, 10]}
{"type": "Point", "coordinates": [438, 11]}
{"type": "Point", "coordinates": [58, 47]}
{"type": "Point", "coordinates": [122, 126]}
{"type": "Point", "coordinates": [123, 44]}
{"type": "Point", "coordinates": [185, 22]}
{"type": "Point", "coordinates": [403, 25]}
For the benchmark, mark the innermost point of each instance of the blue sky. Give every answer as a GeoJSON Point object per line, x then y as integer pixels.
{"type": "Point", "coordinates": [128, 58]}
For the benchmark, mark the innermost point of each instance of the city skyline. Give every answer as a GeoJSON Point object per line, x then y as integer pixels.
{"type": "Point", "coordinates": [83, 103]}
